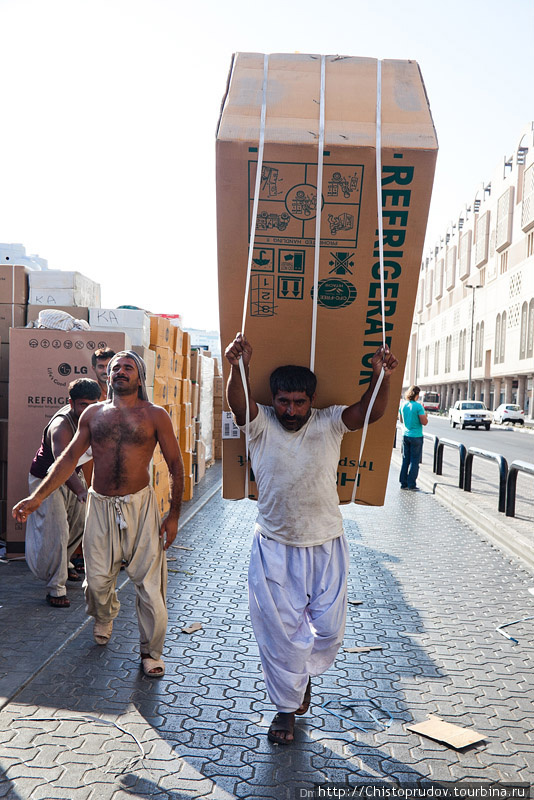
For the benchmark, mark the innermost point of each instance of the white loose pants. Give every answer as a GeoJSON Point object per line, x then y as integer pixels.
{"type": "Point", "coordinates": [298, 606]}
{"type": "Point", "coordinates": [127, 528]}
{"type": "Point", "coordinates": [53, 533]}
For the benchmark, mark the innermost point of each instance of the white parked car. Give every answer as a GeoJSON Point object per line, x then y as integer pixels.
{"type": "Point", "coordinates": [469, 412]}
{"type": "Point", "coordinates": [507, 412]}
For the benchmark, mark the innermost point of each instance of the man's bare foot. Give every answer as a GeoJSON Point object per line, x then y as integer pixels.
{"type": "Point", "coordinates": [282, 728]}
{"type": "Point", "coordinates": [304, 706]}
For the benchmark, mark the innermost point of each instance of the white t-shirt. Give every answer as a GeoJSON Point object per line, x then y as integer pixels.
{"type": "Point", "coordinates": [296, 474]}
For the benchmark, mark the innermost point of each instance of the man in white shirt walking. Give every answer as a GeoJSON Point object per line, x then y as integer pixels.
{"type": "Point", "coordinates": [299, 559]}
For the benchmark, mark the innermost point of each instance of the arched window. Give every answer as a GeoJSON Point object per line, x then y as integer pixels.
{"type": "Point", "coordinates": [523, 336]}
{"type": "Point", "coordinates": [481, 345]}
{"type": "Point", "coordinates": [530, 334]}
{"type": "Point", "coordinates": [503, 337]}
{"type": "Point", "coordinates": [477, 340]}
{"type": "Point", "coordinates": [497, 345]}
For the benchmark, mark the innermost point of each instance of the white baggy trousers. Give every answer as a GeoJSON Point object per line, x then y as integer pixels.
{"type": "Point", "coordinates": [126, 529]}
{"type": "Point", "coordinates": [298, 608]}
{"type": "Point", "coordinates": [53, 533]}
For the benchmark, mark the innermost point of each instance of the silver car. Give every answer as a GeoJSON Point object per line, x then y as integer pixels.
{"type": "Point", "coordinates": [507, 412]}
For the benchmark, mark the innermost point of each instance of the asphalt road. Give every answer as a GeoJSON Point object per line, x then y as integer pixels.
{"type": "Point", "coordinates": [511, 443]}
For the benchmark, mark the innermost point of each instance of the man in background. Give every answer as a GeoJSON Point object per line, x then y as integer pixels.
{"type": "Point", "coordinates": [99, 361]}
{"type": "Point", "coordinates": [55, 531]}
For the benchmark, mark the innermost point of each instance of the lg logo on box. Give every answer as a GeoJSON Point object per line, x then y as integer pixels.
{"type": "Point", "coordinates": [66, 369]}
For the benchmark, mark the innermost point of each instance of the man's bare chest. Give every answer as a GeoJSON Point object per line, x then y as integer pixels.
{"type": "Point", "coordinates": [112, 429]}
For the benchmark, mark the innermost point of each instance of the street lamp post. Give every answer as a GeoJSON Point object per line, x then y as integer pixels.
{"type": "Point", "coordinates": [473, 287]}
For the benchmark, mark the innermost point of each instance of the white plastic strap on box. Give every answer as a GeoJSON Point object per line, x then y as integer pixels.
{"type": "Point", "coordinates": [259, 168]}
{"type": "Point", "coordinates": [318, 209]}
{"type": "Point", "coordinates": [381, 255]}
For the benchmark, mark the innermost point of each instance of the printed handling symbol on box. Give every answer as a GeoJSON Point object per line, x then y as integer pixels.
{"type": "Point", "coordinates": [262, 296]}
{"type": "Point", "coordinates": [291, 261]}
{"type": "Point", "coordinates": [263, 259]}
{"type": "Point", "coordinates": [290, 288]}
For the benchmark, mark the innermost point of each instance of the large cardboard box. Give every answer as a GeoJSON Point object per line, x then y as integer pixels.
{"type": "Point", "coordinates": [149, 357]}
{"type": "Point", "coordinates": [160, 332]}
{"type": "Point", "coordinates": [42, 363]}
{"type": "Point", "coordinates": [12, 315]}
{"type": "Point", "coordinates": [279, 306]}
{"type": "Point", "coordinates": [134, 322]}
{"type": "Point", "coordinates": [13, 283]}
{"type": "Point", "coordinates": [57, 287]}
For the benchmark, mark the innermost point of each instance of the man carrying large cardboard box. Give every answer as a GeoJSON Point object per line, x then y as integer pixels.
{"type": "Point", "coordinates": [299, 560]}
{"type": "Point", "coordinates": [122, 520]}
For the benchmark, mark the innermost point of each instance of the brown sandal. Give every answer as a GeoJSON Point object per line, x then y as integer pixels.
{"type": "Point", "coordinates": [304, 706]}
{"type": "Point", "coordinates": [58, 602]}
{"type": "Point", "coordinates": [285, 723]}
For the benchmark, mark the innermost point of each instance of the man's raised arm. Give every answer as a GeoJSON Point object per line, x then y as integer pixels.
{"type": "Point", "coordinates": [59, 472]}
{"type": "Point", "coordinates": [173, 457]}
{"type": "Point", "coordinates": [354, 415]}
{"type": "Point", "coordinates": [240, 348]}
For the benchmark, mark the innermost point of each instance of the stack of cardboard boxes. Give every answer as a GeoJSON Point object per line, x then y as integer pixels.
{"type": "Point", "coordinates": [13, 299]}
{"type": "Point", "coordinates": [172, 390]}
{"type": "Point", "coordinates": [217, 412]}
{"type": "Point", "coordinates": [37, 365]}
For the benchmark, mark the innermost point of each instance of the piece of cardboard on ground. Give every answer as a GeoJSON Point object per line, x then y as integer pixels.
{"type": "Point", "coordinates": [446, 733]}
{"type": "Point", "coordinates": [279, 303]}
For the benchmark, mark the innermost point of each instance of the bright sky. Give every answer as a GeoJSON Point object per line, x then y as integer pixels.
{"type": "Point", "coordinates": [109, 110]}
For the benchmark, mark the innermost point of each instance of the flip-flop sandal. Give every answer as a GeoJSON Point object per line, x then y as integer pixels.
{"type": "Point", "coordinates": [73, 575]}
{"type": "Point", "coordinates": [58, 602]}
{"type": "Point", "coordinates": [304, 706]}
{"type": "Point", "coordinates": [148, 664]}
{"type": "Point", "coordinates": [283, 721]}
{"type": "Point", "coordinates": [102, 632]}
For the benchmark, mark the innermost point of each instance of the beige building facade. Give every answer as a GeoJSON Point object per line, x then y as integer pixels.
{"type": "Point", "coordinates": [473, 326]}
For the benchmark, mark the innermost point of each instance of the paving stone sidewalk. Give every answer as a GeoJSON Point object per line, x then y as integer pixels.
{"type": "Point", "coordinates": [89, 726]}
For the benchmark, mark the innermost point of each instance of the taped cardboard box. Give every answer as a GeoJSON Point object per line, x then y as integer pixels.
{"type": "Point", "coordinates": [78, 312]}
{"type": "Point", "coordinates": [160, 331]}
{"type": "Point", "coordinates": [149, 357]}
{"type": "Point", "coordinates": [279, 306]}
{"type": "Point", "coordinates": [187, 392]}
{"type": "Point", "coordinates": [134, 322]}
{"type": "Point", "coordinates": [189, 486]}
{"type": "Point", "coordinates": [57, 287]}
{"type": "Point", "coordinates": [162, 366]}
{"type": "Point", "coordinates": [11, 316]}
{"type": "Point", "coordinates": [186, 343]}
{"type": "Point", "coordinates": [187, 457]}
{"type": "Point", "coordinates": [42, 363]}
{"type": "Point", "coordinates": [177, 361]}
{"type": "Point", "coordinates": [13, 283]}
{"type": "Point", "coordinates": [175, 390]}
{"type": "Point", "coordinates": [195, 365]}
{"type": "Point", "coordinates": [160, 391]}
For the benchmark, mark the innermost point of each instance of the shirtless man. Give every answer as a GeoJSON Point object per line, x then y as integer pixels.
{"type": "Point", "coordinates": [122, 520]}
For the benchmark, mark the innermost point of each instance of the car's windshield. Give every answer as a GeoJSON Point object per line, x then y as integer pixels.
{"type": "Point", "coordinates": [512, 408]}
{"type": "Point", "coordinates": [474, 405]}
